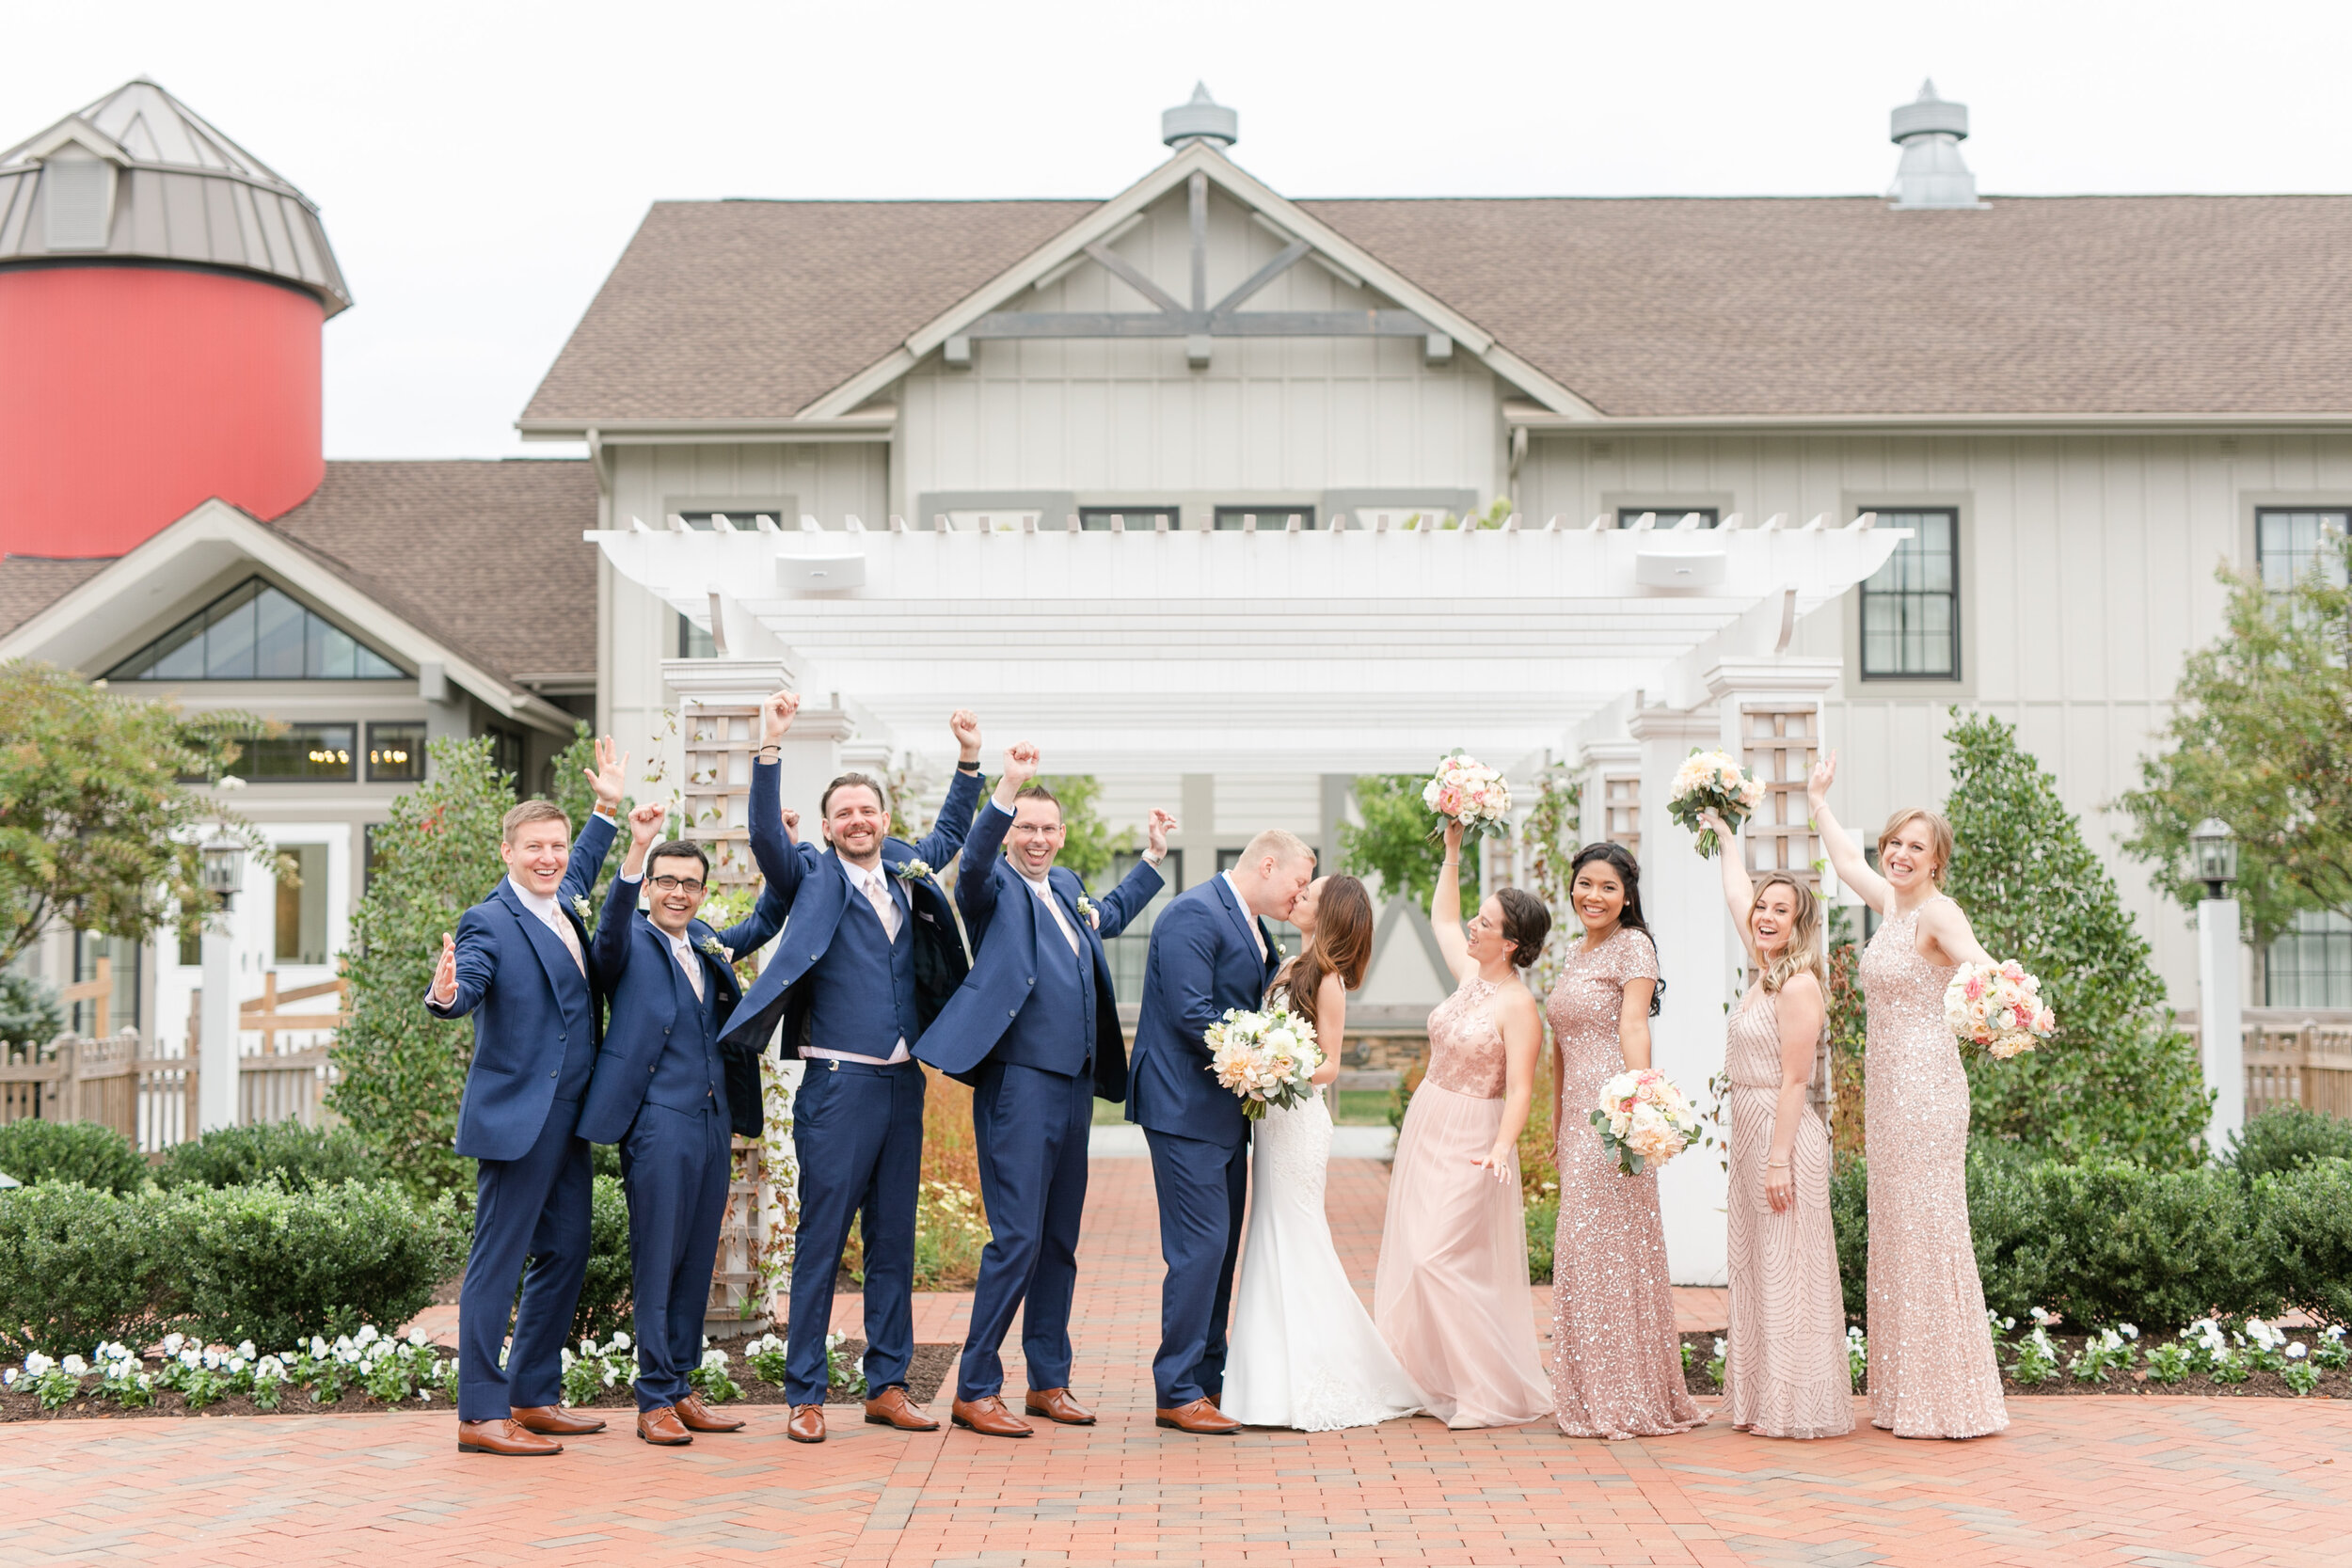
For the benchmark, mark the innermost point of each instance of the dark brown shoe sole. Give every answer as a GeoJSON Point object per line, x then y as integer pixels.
{"type": "Point", "coordinates": [477, 1448]}
{"type": "Point", "coordinates": [1049, 1416]}
{"type": "Point", "coordinates": [969, 1427]}
{"type": "Point", "coordinates": [798, 1438]}
{"type": "Point", "coordinates": [886, 1421]}
{"type": "Point", "coordinates": [1194, 1431]}
{"type": "Point", "coordinates": [666, 1442]}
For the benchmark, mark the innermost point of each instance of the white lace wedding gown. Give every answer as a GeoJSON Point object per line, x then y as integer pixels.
{"type": "Point", "coordinates": [1304, 1353]}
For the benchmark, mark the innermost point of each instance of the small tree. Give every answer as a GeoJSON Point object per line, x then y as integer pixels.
{"type": "Point", "coordinates": [1087, 842]}
{"type": "Point", "coordinates": [2262, 737]}
{"type": "Point", "coordinates": [2115, 1077]}
{"type": "Point", "coordinates": [1394, 844]}
{"type": "Point", "coordinates": [98, 830]}
{"type": "Point", "coordinates": [404, 1070]}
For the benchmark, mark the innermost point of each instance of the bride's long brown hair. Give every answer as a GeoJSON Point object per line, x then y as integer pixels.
{"type": "Point", "coordinates": [1342, 945]}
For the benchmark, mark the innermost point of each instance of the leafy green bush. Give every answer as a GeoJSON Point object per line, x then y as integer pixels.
{"type": "Point", "coordinates": [2124, 1244]}
{"type": "Point", "coordinates": [300, 1157]}
{"type": "Point", "coordinates": [77, 1266]}
{"type": "Point", "coordinates": [2287, 1137]}
{"type": "Point", "coordinates": [42, 1152]}
{"type": "Point", "coordinates": [2306, 1241]}
{"type": "Point", "coordinates": [605, 1298]}
{"type": "Point", "coordinates": [1849, 1213]}
{"type": "Point", "coordinates": [1543, 1230]}
{"type": "Point", "coordinates": [275, 1266]}
{"type": "Point", "coordinates": [2008, 1227]}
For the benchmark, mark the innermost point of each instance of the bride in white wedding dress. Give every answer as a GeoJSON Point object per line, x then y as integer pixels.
{"type": "Point", "coordinates": [1304, 1353]}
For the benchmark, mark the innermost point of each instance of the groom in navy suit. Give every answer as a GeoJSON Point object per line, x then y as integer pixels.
{"type": "Point", "coordinates": [1211, 950]}
{"type": "Point", "coordinates": [869, 956]}
{"type": "Point", "coordinates": [520, 964]}
{"type": "Point", "coordinates": [1035, 1031]}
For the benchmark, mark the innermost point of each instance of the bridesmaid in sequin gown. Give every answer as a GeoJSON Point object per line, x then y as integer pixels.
{"type": "Point", "coordinates": [1616, 1359]}
{"type": "Point", "coordinates": [1785, 1371]}
{"type": "Point", "coordinates": [1932, 1368]}
{"type": "Point", "coordinates": [1450, 1294]}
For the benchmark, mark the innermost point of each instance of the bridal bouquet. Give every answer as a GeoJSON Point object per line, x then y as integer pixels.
{"type": "Point", "coordinates": [1470, 792]}
{"type": "Point", "coordinates": [1643, 1119]}
{"type": "Point", "coordinates": [1999, 1007]}
{"type": "Point", "coordinates": [1710, 781]}
{"type": "Point", "coordinates": [1267, 1058]}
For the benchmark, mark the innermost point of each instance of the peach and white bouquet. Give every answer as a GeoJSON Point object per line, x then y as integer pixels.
{"type": "Point", "coordinates": [1997, 1006]}
{"type": "Point", "coordinates": [1265, 1058]}
{"type": "Point", "coordinates": [1710, 781]}
{"type": "Point", "coordinates": [1643, 1119]}
{"type": "Point", "coordinates": [1467, 791]}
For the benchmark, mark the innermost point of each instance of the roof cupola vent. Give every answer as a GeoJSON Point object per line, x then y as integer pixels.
{"type": "Point", "coordinates": [1932, 173]}
{"type": "Point", "coordinates": [1202, 120]}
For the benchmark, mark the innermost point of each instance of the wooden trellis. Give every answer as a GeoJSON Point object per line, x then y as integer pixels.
{"type": "Point", "coordinates": [1778, 745]}
{"type": "Point", "coordinates": [1621, 811]}
{"type": "Point", "coordinates": [720, 744]}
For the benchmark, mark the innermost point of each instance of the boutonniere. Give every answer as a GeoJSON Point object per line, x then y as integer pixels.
{"type": "Point", "coordinates": [717, 949]}
{"type": "Point", "coordinates": [1087, 912]}
{"type": "Point", "coordinates": [912, 871]}
{"type": "Point", "coordinates": [580, 907]}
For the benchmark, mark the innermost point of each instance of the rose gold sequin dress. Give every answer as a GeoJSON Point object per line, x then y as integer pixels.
{"type": "Point", "coordinates": [1450, 1294]}
{"type": "Point", "coordinates": [1932, 1369]}
{"type": "Point", "coordinates": [1616, 1360]}
{"type": "Point", "coordinates": [1786, 1373]}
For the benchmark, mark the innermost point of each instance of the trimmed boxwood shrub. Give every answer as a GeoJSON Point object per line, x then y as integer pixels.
{"type": "Point", "coordinates": [2288, 1136]}
{"type": "Point", "coordinates": [298, 1156]}
{"type": "Point", "coordinates": [40, 1152]}
{"type": "Point", "coordinates": [78, 1265]}
{"type": "Point", "coordinates": [272, 1265]}
{"type": "Point", "coordinates": [605, 1297]}
{"type": "Point", "coordinates": [2306, 1241]}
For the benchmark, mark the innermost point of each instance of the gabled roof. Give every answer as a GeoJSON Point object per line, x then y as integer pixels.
{"type": "Point", "coordinates": [1658, 309]}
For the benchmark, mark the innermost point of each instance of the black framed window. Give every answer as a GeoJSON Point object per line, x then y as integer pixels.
{"type": "Point", "coordinates": [395, 753]}
{"type": "Point", "coordinates": [1271, 519]}
{"type": "Point", "coordinates": [1140, 519]}
{"type": "Point", "coordinates": [301, 912]}
{"type": "Point", "coordinates": [1869, 915]}
{"type": "Point", "coordinates": [1911, 606]}
{"type": "Point", "coordinates": [2290, 540]}
{"type": "Point", "coordinates": [1668, 517]}
{"type": "Point", "coordinates": [506, 752]}
{"type": "Point", "coordinates": [256, 633]}
{"type": "Point", "coordinates": [1128, 950]}
{"type": "Point", "coordinates": [305, 753]}
{"type": "Point", "coordinates": [2310, 965]}
{"type": "Point", "coordinates": [122, 1003]}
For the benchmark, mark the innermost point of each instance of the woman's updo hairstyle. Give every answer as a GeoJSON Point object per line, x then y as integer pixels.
{"type": "Point", "coordinates": [1525, 924]}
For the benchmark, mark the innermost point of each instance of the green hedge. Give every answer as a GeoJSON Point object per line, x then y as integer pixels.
{"type": "Point", "coordinates": [40, 1152]}
{"type": "Point", "coordinates": [79, 1265]}
{"type": "Point", "coordinates": [2286, 1137]}
{"type": "Point", "coordinates": [605, 1298]}
{"type": "Point", "coordinates": [2306, 1218]}
{"type": "Point", "coordinates": [298, 1156]}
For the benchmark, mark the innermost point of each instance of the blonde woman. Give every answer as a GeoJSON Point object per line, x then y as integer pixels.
{"type": "Point", "coordinates": [1784, 1367]}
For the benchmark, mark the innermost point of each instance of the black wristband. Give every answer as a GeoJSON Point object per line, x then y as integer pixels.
{"type": "Point", "coordinates": [970, 768]}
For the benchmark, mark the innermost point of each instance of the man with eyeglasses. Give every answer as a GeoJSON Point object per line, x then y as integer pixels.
{"type": "Point", "coordinates": [661, 1092]}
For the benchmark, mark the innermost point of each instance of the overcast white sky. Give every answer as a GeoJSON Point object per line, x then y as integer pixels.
{"type": "Point", "coordinates": [480, 166]}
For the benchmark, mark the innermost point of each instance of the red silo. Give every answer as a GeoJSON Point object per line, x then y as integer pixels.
{"type": "Point", "coordinates": [162, 292]}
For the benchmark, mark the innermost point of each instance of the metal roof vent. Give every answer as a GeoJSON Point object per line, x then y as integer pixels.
{"type": "Point", "coordinates": [1932, 173]}
{"type": "Point", "coordinates": [1202, 120]}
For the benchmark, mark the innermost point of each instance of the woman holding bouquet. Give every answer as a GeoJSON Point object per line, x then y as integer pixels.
{"type": "Point", "coordinates": [1932, 1368]}
{"type": "Point", "coordinates": [1450, 1294]}
{"type": "Point", "coordinates": [1785, 1369]}
{"type": "Point", "coordinates": [1616, 1359]}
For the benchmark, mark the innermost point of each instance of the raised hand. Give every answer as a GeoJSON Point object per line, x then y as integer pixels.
{"type": "Point", "coordinates": [646, 823]}
{"type": "Point", "coordinates": [445, 973]}
{"type": "Point", "coordinates": [1824, 774]}
{"type": "Point", "coordinates": [610, 775]}
{"type": "Point", "coordinates": [775, 715]}
{"type": "Point", "coordinates": [1022, 761]}
{"type": "Point", "coordinates": [966, 725]}
{"type": "Point", "coordinates": [1711, 820]}
{"type": "Point", "coordinates": [1452, 837]}
{"type": "Point", "coordinates": [791, 824]}
{"type": "Point", "coordinates": [1156, 831]}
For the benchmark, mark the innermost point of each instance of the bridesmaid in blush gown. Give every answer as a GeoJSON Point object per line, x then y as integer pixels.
{"type": "Point", "coordinates": [1450, 1294]}
{"type": "Point", "coordinates": [1616, 1359]}
{"type": "Point", "coordinates": [1932, 1368]}
{"type": "Point", "coordinates": [1785, 1369]}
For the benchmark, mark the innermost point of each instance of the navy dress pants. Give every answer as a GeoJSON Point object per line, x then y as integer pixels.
{"type": "Point", "coordinates": [1203, 1188]}
{"type": "Point", "coordinates": [532, 1209]}
{"type": "Point", "coordinates": [1032, 1128]}
{"type": "Point", "coordinates": [857, 1130]}
{"type": "Point", "coordinates": [675, 1168]}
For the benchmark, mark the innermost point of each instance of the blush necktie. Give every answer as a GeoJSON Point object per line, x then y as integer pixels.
{"type": "Point", "coordinates": [886, 906]}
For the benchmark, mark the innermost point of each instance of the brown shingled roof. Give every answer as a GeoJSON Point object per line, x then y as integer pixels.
{"type": "Point", "coordinates": [1663, 308]}
{"type": "Point", "coordinates": [30, 584]}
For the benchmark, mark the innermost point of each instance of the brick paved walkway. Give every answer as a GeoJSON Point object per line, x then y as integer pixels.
{"type": "Point", "coordinates": [2082, 1482]}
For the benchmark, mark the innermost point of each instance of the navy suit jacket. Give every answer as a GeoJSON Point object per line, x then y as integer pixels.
{"type": "Point", "coordinates": [648, 990]}
{"type": "Point", "coordinates": [508, 970]}
{"type": "Point", "coordinates": [1203, 962]}
{"type": "Point", "coordinates": [1002, 917]}
{"type": "Point", "coordinates": [816, 891]}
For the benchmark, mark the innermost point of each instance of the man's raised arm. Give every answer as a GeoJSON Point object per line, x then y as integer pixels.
{"type": "Point", "coordinates": [772, 850]}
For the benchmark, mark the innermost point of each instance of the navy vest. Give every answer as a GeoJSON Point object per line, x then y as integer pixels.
{"type": "Point", "coordinates": [578, 1006]}
{"type": "Point", "coordinates": [862, 991]}
{"type": "Point", "coordinates": [688, 1075]}
{"type": "Point", "coordinates": [1055, 1029]}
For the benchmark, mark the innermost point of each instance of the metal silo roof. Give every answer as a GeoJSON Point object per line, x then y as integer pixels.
{"type": "Point", "coordinates": [178, 191]}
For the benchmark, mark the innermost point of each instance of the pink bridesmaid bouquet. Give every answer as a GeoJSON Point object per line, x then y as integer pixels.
{"type": "Point", "coordinates": [1643, 1119]}
{"type": "Point", "coordinates": [1710, 781]}
{"type": "Point", "coordinates": [1267, 1058]}
{"type": "Point", "coordinates": [1470, 792]}
{"type": "Point", "coordinates": [1997, 1006]}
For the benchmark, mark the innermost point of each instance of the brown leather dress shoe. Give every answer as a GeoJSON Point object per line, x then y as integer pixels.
{"type": "Point", "coordinates": [660, 1426]}
{"type": "Point", "coordinates": [508, 1437]}
{"type": "Point", "coordinates": [1056, 1404]}
{"type": "Point", "coordinates": [1202, 1418]}
{"type": "Point", "coordinates": [890, 1408]}
{"type": "Point", "coordinates": [807, 1424]}
{"type": "Point", "coordinates": [694, 1416]}
{"type": "Point", "coordinates": [553, 1421]}
{"type": "Point", "coordinates": [989, 1418]}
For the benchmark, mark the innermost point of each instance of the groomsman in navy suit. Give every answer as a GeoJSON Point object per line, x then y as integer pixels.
{"type": "Point", "coordinates": [1035, 1031]}
{"type": "Point", "coordinates": [1211, 950]}
{"type": "Point", "coordinates": [661, 1092]}
{"type": "Point", "coordinates": [520, 963]}
{"type": "Point", "coordinates": [869, 956]}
